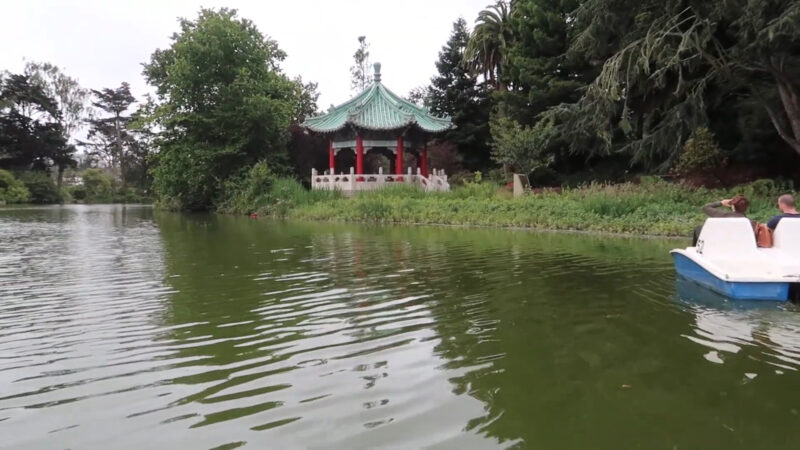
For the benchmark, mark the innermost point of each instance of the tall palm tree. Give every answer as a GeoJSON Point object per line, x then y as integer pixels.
{"type": "Point", "coordinates": [489, 41]}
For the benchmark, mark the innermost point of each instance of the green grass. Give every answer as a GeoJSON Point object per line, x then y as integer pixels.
{"type": "Point", "coordinates": [652, 207]}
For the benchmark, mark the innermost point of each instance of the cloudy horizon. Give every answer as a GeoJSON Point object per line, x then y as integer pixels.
{"type": "Point", "coordinates": [103, 44]}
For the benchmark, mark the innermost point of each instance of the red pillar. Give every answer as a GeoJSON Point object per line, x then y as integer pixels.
{"type": "Point", "coordinates": [398, 165]}
{"type": "Point", "coordinates": [359, 155]}
{"type": "Point", "coordinates": [331, 157]}
{"type": "Point", "coordinates": [423, 164]}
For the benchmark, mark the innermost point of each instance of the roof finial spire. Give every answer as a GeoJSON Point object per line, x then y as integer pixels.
{"type": "Point", "coordinates": [377, 67]}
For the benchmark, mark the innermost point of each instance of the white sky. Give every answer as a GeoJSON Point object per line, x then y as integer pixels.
{"type": "Point", "coordinates": [104, 42]}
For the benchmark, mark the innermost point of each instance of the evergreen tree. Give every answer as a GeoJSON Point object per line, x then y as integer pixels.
{"type": "Point", "coordinates": [674, 66]}
{"type": "Point", "coordinates": [109, 138]}
{"type": "Point", "coordinates": [457, 93]}
{"type": "Point", "coordinates": [539, 70]}
{"type": "Point", "coordinates": [31, 133]}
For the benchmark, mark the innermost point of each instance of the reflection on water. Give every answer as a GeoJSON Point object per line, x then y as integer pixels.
{"type": "Point", "coordinates": [126, 328]}
{"type": "Point", "coordinates": [771, 331]}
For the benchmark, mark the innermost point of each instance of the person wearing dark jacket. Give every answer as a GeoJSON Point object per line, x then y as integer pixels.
{"type": "Point", "coordinates": [786, 205]}
{"type": "Point", "coordinates": [733, 207]}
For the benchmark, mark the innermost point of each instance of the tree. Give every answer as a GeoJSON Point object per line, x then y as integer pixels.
{"type": "Point", "coordinates": [537, 66]}
{"type": "Point", "coordinates": [71, 99]}
{"type": "Point", "coordinates": [360, 71]}
{"type": "Point", "coordinates": [223, 105]}
{"type": "Point", "coordinates": [307, 96]}
{"type": "Point", "coordinates": [140, 157]}
{"type": "Point", "coordinates": [31, 135]}
{"type": "Point", "coordinates": [673, 66]}
{"type": "Point", "coordinates": [488, 44]}
{"type": "Point", "coordinates": [456, 92]}
{"type": "Point", "coordinates": [109, 138]}
{"type": "Point", "coordinates": [522, 148]}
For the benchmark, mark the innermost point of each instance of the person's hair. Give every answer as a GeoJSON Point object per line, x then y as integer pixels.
{"type": "Point", "coordinates": [740, 203]}
{"type": "Point", "coordinates": [787, 200]}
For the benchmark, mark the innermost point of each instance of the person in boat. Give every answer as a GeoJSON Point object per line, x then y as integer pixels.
{"type": "Point", "coordinates": [786, 205]}
{"type": "Point", "coordinates": [731, 207]}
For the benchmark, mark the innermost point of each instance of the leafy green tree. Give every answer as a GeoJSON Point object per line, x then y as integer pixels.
{"type": "Point", "coordinates": [70, 98]}
{"type": "Point", "coordinates": [361, 71]}
{"type": "Point", "coordinates": [224, 104]}
{"type": "Point", "coordinates": [519, 147]}
{"type": "Point", "coordinates": [489, 43]}
{"type": "Point", "coordinates": [456, 92]}
{"type": "Point", "coordinates": [71, 102]}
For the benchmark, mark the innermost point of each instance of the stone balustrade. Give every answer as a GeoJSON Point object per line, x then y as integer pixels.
{"type": "Point", "coordinates": [350, 183]}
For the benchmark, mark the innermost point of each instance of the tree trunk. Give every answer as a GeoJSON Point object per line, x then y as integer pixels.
{"type": "Point", "coordinates": [60, 178]}
{"type": "Point", "coordinates": [791, 106]}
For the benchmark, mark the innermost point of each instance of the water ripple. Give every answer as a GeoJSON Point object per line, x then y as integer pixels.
{"type": "Point", "coordinates": [211, 332]}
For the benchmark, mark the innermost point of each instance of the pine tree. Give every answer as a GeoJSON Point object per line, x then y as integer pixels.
{"type": "Point", "coordinates": [109, 137]}
{"type": "Point", "coordinates": [538, 68]}
{"type": "Point", "coordinates": [456, 92]}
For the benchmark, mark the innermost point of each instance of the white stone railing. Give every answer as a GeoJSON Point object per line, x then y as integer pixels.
{"type": "Point", "coordinates": [349, 183]}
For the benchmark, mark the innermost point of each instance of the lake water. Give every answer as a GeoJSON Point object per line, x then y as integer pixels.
{"type": "Point", "coordinates": [128, 328]}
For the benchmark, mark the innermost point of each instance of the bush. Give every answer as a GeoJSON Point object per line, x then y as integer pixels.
{"type": "Point", "coordinates": [99, 186]}
{"type": "Point", "coordinates": [246, 193]}
{"type": "Point", "coordinates": [41, 186]}
{"type": "Point", "coordinates": [700, 154]}
{"type": "Point", "coordinates": [12, 190]}
{"type": "Point", "coordinates": [78, 193]}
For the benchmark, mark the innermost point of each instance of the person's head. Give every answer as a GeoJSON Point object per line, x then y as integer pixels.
{"type": "Point", "coordinates": [739, 203]}
{"type": "Point", "coordinates": [786, 203]}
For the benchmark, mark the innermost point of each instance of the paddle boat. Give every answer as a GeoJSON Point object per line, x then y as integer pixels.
{"type": "Point", "coordinates": [727, 260]}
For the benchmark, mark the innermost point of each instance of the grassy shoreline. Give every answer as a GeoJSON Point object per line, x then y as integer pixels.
{"type": "Point", "coordinates": [650, 208]}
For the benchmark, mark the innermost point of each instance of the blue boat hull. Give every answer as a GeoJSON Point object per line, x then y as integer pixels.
{"type": "Point", "coordinates": [735, 290]}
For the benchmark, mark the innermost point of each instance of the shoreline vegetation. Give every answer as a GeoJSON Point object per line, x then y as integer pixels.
{"type": "Point", "coordinates": [588, 95]}
{"type": "Point", "coordinates": [39, 188]}
{"type": "Point", "coordinates": [650, 206]}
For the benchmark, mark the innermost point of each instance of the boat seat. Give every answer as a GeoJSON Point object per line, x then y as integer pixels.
{"type": "Point", "coordinates": [728, 238]}
{"type": "Point", "coordinates": [787, 236]}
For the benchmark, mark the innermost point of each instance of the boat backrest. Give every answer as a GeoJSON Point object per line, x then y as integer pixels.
{"type": "Point", "coordinates": [787, 235]}
{"type": "Point", "coordinates": [730, 237]}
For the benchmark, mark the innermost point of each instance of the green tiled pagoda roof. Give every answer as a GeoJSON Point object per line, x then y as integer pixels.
{"type": "Point", "coordinates": [377, 108]}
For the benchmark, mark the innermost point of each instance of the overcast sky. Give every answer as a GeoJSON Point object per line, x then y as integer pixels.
{"type": "Point", "coordinates": [104, 42]}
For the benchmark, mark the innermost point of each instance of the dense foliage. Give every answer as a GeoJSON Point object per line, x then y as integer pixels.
{"type": "Point", "coordinates": [12, 190]}
{"type": "Point", "coordinates": [625, 84]}
{"type": "Point", "coordinates": [224, 104]}
{"type": "Point", "coordinates": [652, 207]}
{"type": "Point", "coordinates": [32, 136]}
{"type": "Point", "coordinates": [456, 92]}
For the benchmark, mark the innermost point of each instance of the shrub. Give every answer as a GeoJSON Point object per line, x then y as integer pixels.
{"type": "Point", "coordinates": [41, 186]}
{"type": "Point", "coordinates": [99, 186]}
{"type": "Point", "coordinates": [12, 190]}
{"type": "Point", "coordinates": [78, 193]}
{"type": "Point", "coordinates": [700, 153]}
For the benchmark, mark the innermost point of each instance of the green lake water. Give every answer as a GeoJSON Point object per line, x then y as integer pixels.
{"type": "Point", "coordinates": [129, 328]}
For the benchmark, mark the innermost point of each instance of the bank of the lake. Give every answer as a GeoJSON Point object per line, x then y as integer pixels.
{"type": "Point", "coordinates": [651, 206]}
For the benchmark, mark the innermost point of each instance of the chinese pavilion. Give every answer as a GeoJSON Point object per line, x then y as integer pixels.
{"type": "Point", "coordinates": [377, 120]}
